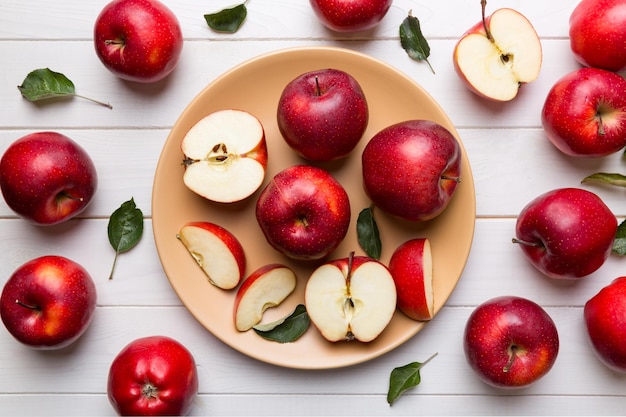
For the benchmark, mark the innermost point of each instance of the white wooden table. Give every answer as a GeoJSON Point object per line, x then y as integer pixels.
{"type": "Point", "coordinates": [512, 162]}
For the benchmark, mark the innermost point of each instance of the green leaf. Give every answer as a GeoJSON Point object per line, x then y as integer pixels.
{"type": "Point", "coordinates": [368, 234]}
{"type": "Point", "coordinates": [618, 180]}
{"type": "Point", "coordinates": [125, 229]}
{"type": "Point", "coordinates": [403, 378]}
{"type": "Point", "coordinates": [227, 20]}
{"type": "Point", "coordinates": [286, 330]}
{"type": "Point", "coordinates": [619, 244]}
{"type": "Point", "coordinates": [412, 40]}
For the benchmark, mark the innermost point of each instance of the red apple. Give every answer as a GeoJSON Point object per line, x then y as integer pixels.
{"type": "Point", "coordinates": [304, 212]}
{"type": "Point", "coordinates": [566, 233]}
{"type": "Point", "coordinates": [584, 114]}
{"type": "Point", "coordinates": [47, 178]}
{"type": "Point", "coordinates": [605, 321]}
{"type": "Point", "coordinates": [411, 169]}
{"type": "Point", "coordinates": [597, 33]}
{"type": "Point", "coordinates": [322, 114]}
{"type": "Point", "coordinates": [153, 376]}
{"type": "Point", "coordinates": [48, 302]}
{"type": "Point", "coordinates": [350, 15]}
{"type": "Point", "coordinates": [510, 342]}
{"type": "Point", "coordinates": [138, 40]}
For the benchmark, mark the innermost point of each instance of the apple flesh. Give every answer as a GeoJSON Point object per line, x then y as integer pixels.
{"type": "Point", "coordinates": [225, 156]}
{"type": "Point", "coordinates": [350, 15]}
{"type": "Point", "coordinates": [351, 298]}
{"type": "Point", "coordinates": [216, 251]}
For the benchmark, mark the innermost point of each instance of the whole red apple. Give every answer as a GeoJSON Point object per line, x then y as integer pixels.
{"type": "Point", "coordinates": [47, 178]}
{"type": "Point", "coordinates": [584, 114]}
{"type": "Point", "coordinates": [322, 114]}
{"type": "Point", "coordinates": [597, 32]}
{"type": "Point", "coordinates": [350, 15]}
{"type": "Point", "coordinates": [304, 212]}
{"type": "Point", "coordinates": [48, 302]}
{"type": "Point", "coordinates": [605, 320]}
{"type": "Point", "coordinates": [411, 169]}
{"type": "Point", "coordinates": [154, 375]}
{"type": "Point", "coordinates": [510, 342]}
{"type": "Point", "coordinates": [138, 40]}
{"type": "Point", "coordinates": [566, 233]}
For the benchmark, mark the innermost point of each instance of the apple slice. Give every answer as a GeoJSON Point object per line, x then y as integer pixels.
{"type": "Point", "coordinates": [266, 287]}
{"type": "Point", "coordinates": [352, 298]}
{"type": "Point", "coordinates": [411, 266]}
{"type": "Point", "coordinates": [225, 156]}
{"type": "Point", "coordinates": [499, 54]}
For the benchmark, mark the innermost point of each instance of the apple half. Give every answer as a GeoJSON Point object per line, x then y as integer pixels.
{"type": "Point", "coordinates": [266, 287]}
{"type": "Point", "coordinates": [225, 156]}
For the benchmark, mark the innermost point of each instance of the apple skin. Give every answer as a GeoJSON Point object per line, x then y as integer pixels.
{"type": "Point", "coordinates": [597, 32]}
{"type": "Point", "coordinates": [605, 321]}
{"type": "Point", "coordinates": [584, 114]}
{"type": "Point", "coordinates": [47, 178]}
{"type": "Point", "coordinates": [350, 15]}
{"type": "Point", "coordinates": [510, 342]}
{"type": "Point", "coordinates": [138, 40]}
{"type": "Point", "coordinates": [48, 302]}
{"type": "Point", "coordinates": [566, 233]}
{"type": "Point", "coordinates": [322, 114]}
{"type": "Point", "coordinates": [304, 212]}
{"type": "Point", "coordinates": [415, 186]}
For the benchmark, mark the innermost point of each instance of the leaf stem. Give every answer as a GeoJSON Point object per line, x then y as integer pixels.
{"type": "Point", "coordinates": [102, 103]}
{"type": "Point", "coordinates": [114, 263]}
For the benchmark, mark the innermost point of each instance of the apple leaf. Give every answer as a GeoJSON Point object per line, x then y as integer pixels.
{"type": "Point", "coordinates": [125, 229]}
{"type": "Point", "coordinates": [227, 20]}
{"type": "Point", "coordinates": [619, 244]}
{"type": "Point", "coordinates": [618, 180]}
{"type": "Point", "coordinates": [403, 378]}
{"type": "Point", "coordinates": [43, 83]}
{"type": "Point", "coordinates": [286, 330]}
{"type": "Point", "coordinates": [412, 40]}
{"type": "Point", "coordinates": [368, 234]}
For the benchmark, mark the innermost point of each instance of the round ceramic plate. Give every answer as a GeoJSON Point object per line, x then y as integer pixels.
{"type": "Point", "coordinates": [255, 86]}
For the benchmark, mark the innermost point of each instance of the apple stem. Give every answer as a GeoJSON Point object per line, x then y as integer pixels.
{"type": "Point", "coordinates": [512, 356]}
{"type": "Point", "coordinates": [483, 4]}
{"type": "Point", "coordinates": [30, 306]}
{"type": "Point", "coordinates": [318, 91]}
{"type": "Point", "coordinates": [523, 242]}
{"type": "Point", "coordinates": [63, 194]}
{"type": "Point", "coordinates": [446, 177]}
{"type": "Point", "coordinates": [600, 124]}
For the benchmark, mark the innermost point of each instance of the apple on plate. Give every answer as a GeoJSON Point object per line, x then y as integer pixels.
{"type": "Point", "coordinates": [47, 178]}
{"type": "Point", "coordinates": [498, 55]}
{"type": "Point", "coordinates": [304, 212]}
{"type": "Point", "coordinates": [350, 15]}
{"type": "Point", "coordinates": [216, 250]}
{"type": "Point", "coordinates": [510, 342]}
{"type": "Point", "coordinates": [584, 114]}
{"type": "Point", "coordinates": [138, 40]}
{"type": "Point", "coordinates": [225, 156]}
{"type": "Point", "coordinates": [597, 33]}
{"type": "Point", "coordinates": [411, 266]}
{"type": "Point", "coordinates": [566, 233]}
{"type": "Point", "coordinates": [322, 114]}
{"type": "Point", "coordinates": [48, 302]}
{"type": "Point", "coordinates": [351, 298]}
{"type": "Point", "coordinates": [266, 287]}
{"type": "Point", "coordinates": [411, 169]}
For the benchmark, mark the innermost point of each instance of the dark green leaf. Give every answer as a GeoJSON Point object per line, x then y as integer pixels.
{"type": "Point", "coordinates": [286, 330]}
{"type": "Point", "coordinates": [412, 40]}
{"type": "Point", "coordinates": [125, 229]}
{"type": "Point", "coordinates": [368, 234]}
{"type": "Point", "coordinates": [619, 244]}
{"type": "Point", "coordinates": [227, 20]}
{"type": "Point", "coordinates": [618, 180]}
{"type": "Point", "coordinates": [403, 378]}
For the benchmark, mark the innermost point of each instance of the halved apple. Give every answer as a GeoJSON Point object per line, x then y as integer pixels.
{"type": "Point", "coordinates": [266, 287]}
{"type": "Point", "coordinates": [217, 251]}
{"type": "Point", "coordinates": [225, 156]}
{"type": "Point", "coordinates": [352, 298]}
{"type": "Point", "coordinates": [411, 267]}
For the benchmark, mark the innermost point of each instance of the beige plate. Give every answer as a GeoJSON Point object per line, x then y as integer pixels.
{"type": "Point", "coordinates": [255, 86]}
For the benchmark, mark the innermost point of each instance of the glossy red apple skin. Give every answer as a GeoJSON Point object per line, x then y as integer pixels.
{"type": "Point", "coordinates": [323, 114]}
{"type": "Point", "coordinates": [569, 232]}
{"type": "Point", "coordinates": [597, 32]}
{"type": "Point", "coordinates": [57, 300]}
{"type": "Point", "coordinates": [47, 178]}
{"type": "Point", "coordinates": [605, 321]}
{"type": "Point", "coordinates": [350, 15]}
{"type": "Point", "coordinates": [584, 114]}
{"type": "Point", "coordinates": [138, 40]}
{"type": "Point", "coordinates": [411, 169]}
{"type": "Point", "coordinates": [304, 212]}
{"type": "Point", "coordinates": [505, 324]}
